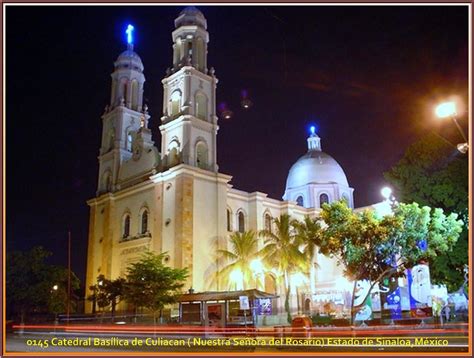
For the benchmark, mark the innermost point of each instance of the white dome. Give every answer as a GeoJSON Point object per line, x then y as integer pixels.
{"type": "Point", "coordinates": [191, 16]}
{"type": "Point", "coordinates": [129, 59]}
{"type": "Point", "coordinates": [315, 167]}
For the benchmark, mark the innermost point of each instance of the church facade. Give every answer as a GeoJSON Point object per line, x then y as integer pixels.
{"type": "Point", "coordinates": [174, 199]}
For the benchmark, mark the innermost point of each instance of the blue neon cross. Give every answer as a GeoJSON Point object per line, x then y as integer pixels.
{"type": "Point", "coordinates": [129, 33]}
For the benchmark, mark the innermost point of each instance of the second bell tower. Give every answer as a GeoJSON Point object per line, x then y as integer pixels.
{"type": "Point", "coordinates": [189, 123]}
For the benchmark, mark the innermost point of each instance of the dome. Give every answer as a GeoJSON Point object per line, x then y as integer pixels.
{"type": "Point", "coordinates": [129, 59]}
{"type": "Point", "coordinates": [315, 167]}
{"type": "Point", "coordinates": [191, 15]}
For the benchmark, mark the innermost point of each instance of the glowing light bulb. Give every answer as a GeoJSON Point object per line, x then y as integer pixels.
{"type": "Point", "coordinates": [386, 192]}
{"type": "Point", "coordinates": [446, 109]}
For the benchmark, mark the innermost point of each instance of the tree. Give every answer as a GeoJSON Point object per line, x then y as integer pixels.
{"type": "Point", "coordinates": [310, 233]}
{"type": "Point", "coordinates": [34, 285]}
{"type": "Point", "coordinates": [433, 173]}
{"type": "Point", "coordinates": [359, 241]}
{"type": "Point", "coordinates": [282, 252]}
{"type": "Point", "coordinates": [371, 248]}
{"type": "Point", "coordinates": [108, 292]}
{"type": "Point", "coordinates": [243, 250]}
{"type": "Point", "coordinates": [153, 285]}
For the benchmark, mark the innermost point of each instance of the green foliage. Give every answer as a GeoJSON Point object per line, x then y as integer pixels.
{"type": "Point", "coordinates": [368, 246]}
{"type": "Point", "coordinates": [441, 232]}
{"type": "Point", "coordinates": [282, 252]}
{"type": "Point", "coordinates": [30, 281]}
{"type": "Point", "coordinates": [434, 174]}
{"type": "Point", "coordinates": [108, 292]}
{"type": "Point", "coordinates": [243, 249]}
{"type": "Point", "coordinates": [362, 242]}
{"type": "Point", "coordinates": [153, 285]}
{"type": "Point", "coordinates": [310, 233]}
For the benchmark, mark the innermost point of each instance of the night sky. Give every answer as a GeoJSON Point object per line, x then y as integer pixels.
{"type": "Point", "coordinates": [367, 77]}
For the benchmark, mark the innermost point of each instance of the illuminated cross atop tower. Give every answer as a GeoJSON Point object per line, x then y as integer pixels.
{"type": "Point", "coordinates": [124, 116]}
{"type": "Point", "coordinates": [129, 32]}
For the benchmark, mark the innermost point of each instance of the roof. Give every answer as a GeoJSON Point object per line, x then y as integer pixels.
{"type": "Point", "coordinates": [315, 167]}
{"type": "Point", "coordinates": [224, 295]}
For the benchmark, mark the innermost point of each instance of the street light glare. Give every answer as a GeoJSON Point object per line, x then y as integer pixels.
{"type": "Point", "coordinates": [256, 266]}
{"type": "Point", "coordinates": [446, 109]}
{"type": "Point", "coordinates": [236, 276]}
{"type": "Point", "coordinates": [386, 192]}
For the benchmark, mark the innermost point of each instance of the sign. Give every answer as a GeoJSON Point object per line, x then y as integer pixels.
{"type": "Point", "coordinates": [264, 306]}
{"type": "Point", "coordinates": [244, 303]}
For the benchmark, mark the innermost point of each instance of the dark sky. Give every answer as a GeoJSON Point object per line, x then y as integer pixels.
{"type": "Point", "coordinates": [367, 77]}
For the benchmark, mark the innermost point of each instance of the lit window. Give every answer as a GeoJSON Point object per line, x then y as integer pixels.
{"type": "Point", "coordinates": [201, 106]}
{"type": "Point", "coordinates": [129, 141]}
{"type": "Point", "coordinates": [201, 155]}
{"type": "Point", "coordinates": [175, 103]}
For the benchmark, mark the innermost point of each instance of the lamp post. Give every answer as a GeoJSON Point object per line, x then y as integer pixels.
{"type": "Point", "coordinates": [54, 291]}
{"type": "Point", "coordinates": [448, 109]}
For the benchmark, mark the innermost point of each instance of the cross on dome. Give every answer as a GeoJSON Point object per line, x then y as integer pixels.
{"type": "Point", "coordinates": [129, 32]}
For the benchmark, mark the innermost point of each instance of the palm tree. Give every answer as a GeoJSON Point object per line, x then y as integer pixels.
{"type": "Point", "coordinates": [243, 250]}
{"type": "Point", "coordinates": [282, 252]}
{"type": "Point", "coordinates": [310, 233]}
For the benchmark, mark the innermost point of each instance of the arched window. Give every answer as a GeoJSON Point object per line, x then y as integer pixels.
{"type": "Point", "coordinates": [241, 222]}
{"type": "Point", "coordinates": [202, 155]}
{"type": "Point", "coordinates": [175, 103]}
{"type": "Point", "coordinates": [300, 201]}
{"type": "Point", "coordinates": [229, 224]}
{"type": "Point", "coordinates": [173, 150]}
{"type": "Point", "coordinates": [129, 141]}
{"type": "Point", "coordinates": [268, 222]}
{"type": "Point", "coordinates": [201, 106]}
{"type": "Point", "coordinates": [124, 91]}
{"type": "Point", "coordinates": [144, 228]}
{"type": "Point", "coordinates": [134, 95]}
{"type": "Point", "coordinates": [200, 53]}
{"type": "Point", "coordinates": [126, 226]}
{"type": "Point", "coordinates": [107, 181]}
{"type": "Point", "coordinates": [177, 51]}
{"type": "Point", "coordinates": [323, 199]}
{"type": "Point", "coordinates": [270, 283]}
{"type": "Point", "coordinates": [110, 139]}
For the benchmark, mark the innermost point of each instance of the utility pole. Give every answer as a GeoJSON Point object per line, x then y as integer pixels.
{"type": "Point", "coordinates": [69, 276]}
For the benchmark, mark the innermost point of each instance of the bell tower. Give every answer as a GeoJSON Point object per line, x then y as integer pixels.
{"type": "Point", "coordinates": [189, 123]}
{"type": "Point", "coordinates": [124, 118]}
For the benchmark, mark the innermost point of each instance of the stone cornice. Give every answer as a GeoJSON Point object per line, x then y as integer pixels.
{"type": "Point", "coordinates": [186, 71]}
{"type": "Point", "coordinates": [192, 171]}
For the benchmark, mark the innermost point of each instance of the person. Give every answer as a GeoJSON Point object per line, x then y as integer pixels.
{"type": "Point", "coordinates": [437, 306]}
{"type": "Point", "coordinates": [447, 311]}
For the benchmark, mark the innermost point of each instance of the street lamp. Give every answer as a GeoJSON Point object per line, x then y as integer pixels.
{"type": "Point", "coordinates": [448, 109]}
{"type": "Point", "coordinates": [386, 192]}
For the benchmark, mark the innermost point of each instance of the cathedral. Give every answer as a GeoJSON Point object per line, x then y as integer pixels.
{"type": "Point", "coordinates": [173, 199]}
